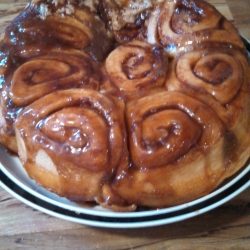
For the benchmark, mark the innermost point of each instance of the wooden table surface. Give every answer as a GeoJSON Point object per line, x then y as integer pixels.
{"type": "Point", "coordinates": [227, 227]}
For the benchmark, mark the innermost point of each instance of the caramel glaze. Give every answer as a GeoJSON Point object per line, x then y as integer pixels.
{"type": "Point", "coordinates": [83, 132]}
{"type": "Point", "coordinates": [178, 25]}
{"type": "Point", "coordinates": [186, 23]}
{"type": "Point", "coordinates": [227, 94]}
{"type": "Point", "coordinates": [180, 125]}
{"type": "Point", "coordinates": [126, 31]}
{"type": "Point", "coordinates": [136, 69]}
{"type": "Point", "coordinates": [149, 125]}
{"type": "Point", "coordinates": [82, 30]}
{"type": "Point", "coordinates": [32, 77]}
{"type": "Point", "coordinates": [47, 49]}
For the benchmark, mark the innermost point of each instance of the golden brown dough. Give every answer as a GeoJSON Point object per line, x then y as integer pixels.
{"type": "Point", "coordinates": [220, 78]}
{"type": "Point", "coordinates": [219, 73]}
{"type": "Point", "coordinates": [35, 76]}
{"type": "Point", "coordinates": [136, 68]}
{"type": "Point", "coordinates": [181, 25]}
{"type": "Point", "coordinates": [125, 103]}
{"type": "Point", "coordinates": [43, 25]}
{"type": "Point", "coordinates": [72, 141]}
{"type": "Point", "coordinates": [176, 146]}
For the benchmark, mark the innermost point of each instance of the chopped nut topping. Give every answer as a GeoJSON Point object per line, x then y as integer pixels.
{"type": "Point", "coordinates": [60, 7]}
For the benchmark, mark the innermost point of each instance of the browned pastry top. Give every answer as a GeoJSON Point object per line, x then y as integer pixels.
{"type": "Point", "coordinates": [125, 103]}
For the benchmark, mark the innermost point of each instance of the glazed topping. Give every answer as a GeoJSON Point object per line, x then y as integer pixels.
{"type": "Point", "coordinates": [80, 30]}
{"type": "Point", "coordinates": [79, 134]}
{"type": "Point", "coordinates": [219, 74]}
{"type": "Point", "coordinates": [82, 126]}
{"type": "Point", "coordinates": [35, 76]}
{"type": "Point", "coordinates": [166, 126]}
{"type": "Point", "coordinates": [170, 131]}
{"type": "Point", "coordinates": [191, 16]}
{"type": "Point", "coordinates": [183, 25]}
{"type": "Point", "coordinates": [38, 55]}
{"type": "Point", "coordinates": [75, 138]}
{"type": "Point", "coordinates": [57, 70]}
{"type": "Point", "coordinates": [154, 121]}
{"type": "Point", "coordinates": [213, 71]}
{"type": "Point", "coordinates": [136, 67]}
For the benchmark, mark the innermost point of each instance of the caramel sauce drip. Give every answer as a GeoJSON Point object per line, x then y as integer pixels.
{"type": "Point", "coordinates": [109, 122]}
{"type": "Point", "coordinates": [42, 55]}
{"type": "Point", "coordinates": [164, 127]}
{"type": "Point", "coordinates": [78, 126]}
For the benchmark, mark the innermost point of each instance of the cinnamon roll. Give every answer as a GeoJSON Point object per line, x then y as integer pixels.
{"type": "Point", "coordinates": [125, 103]}
{"type": "Point", "coordinates": [137, 67]}
{"type": "Point", "coordinates": [219, 78]}
{"type": "Point", "coordinates": [57, 70]}
{"type": "Point", "coordinates": [43, 24]}
{"type": "Point", "coordinates": [177, 150]}
{"type": "Point", "coordinates": [182, 25]}
{"type": "Point", "coordinates": [35, 76]}
{"type": "Point", "coordinates": [216, 72]}
{"type": "Point", "coordinates": [71, 142]}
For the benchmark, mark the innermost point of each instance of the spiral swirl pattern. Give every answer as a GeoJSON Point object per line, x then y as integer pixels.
{"type": "Point", "coordinates": [181, 25]}
{"type": "Point", "coordinates": [170, 131]}
{"type": "Point", "coordinates": [38, 75]}
{"type": "Point", "coordinates": [162, 120]}
{"type": "Point", "coordinates": [136, 67]}
{"type": "Point", "coordinates": [82, 133]}
{"type": "Point", "coordinates": [57, 70]}
{"type": "Point", "coordinates": [164, 127]}
{"type": "Point", "coordinates": [217, 73]}
{"type": "Point", "coordinates": [220, 79]}
{"type": "Point", "coordinates": [80, 30]}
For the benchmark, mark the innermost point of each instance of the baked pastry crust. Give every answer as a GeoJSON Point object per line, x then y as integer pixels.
{"type": "Point", "coordinates": [72, 141]}
{"type": "Point", "coordinates": [125, 103]}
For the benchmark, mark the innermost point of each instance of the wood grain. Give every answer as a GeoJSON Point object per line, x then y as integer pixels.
{"type": "Point", "coordinates": [227, 227]}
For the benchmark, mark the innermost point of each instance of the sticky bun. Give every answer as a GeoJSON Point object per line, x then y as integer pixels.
{"type": "Point", "coordinates": [125, 103]}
